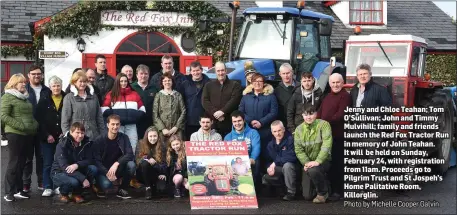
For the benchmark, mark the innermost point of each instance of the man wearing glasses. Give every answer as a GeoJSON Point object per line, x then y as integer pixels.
{"type": "Point", "coordinates": [36, 91]}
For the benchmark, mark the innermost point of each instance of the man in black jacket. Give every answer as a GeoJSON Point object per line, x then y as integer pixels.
{"type": "Point", "coordinates": [285, 90]}
{"type": "Point", "coordinates": [73, 167]}
{"type": "Point", "coordinates": [103, 81]}
{"type": "Point", "coordinates": [114, 159]}
{"type": "Point", "coordinates": [167, 66]}
{"type": "Point", "coordinates": [37, 92]}
{"type": "Point", "coordinates": [367, 93]}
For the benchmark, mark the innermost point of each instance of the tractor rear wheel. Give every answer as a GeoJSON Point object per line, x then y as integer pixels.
{"type": "Point", "coordinates": [443, 146]}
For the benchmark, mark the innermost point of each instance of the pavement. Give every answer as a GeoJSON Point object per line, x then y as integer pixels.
{"type": "Point", "coordinates": [442, 192]}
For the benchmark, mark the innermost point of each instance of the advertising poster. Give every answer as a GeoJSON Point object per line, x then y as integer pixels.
{"type": "Point", "coordinates": [220, 175]}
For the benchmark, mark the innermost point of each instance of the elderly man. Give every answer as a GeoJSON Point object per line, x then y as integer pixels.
{"type": "Point", "coordinates": [283, 168]}
{"type": "Point", "coordinates": [285, 90]}
{"type": "Point", "coordinates": [91, 76]}
{"type": "Point", "coordinates": [128, 71]}
{"type": "Point", "coordinates": [332, 111]}
{"type": "Point", "coordinates": [167, 66]}
{"type": "Point", "coordinates": [220, 98]}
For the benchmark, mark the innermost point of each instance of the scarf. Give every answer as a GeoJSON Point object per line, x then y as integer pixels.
{"type": "Point", "coordinates": [18, 94]}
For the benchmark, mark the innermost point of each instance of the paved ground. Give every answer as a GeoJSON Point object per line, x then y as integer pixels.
{"type": "Point", "coordinates": [443, 192]}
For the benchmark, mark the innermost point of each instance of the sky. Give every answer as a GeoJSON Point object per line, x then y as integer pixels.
{"type": "Point", "coordinates": [448, 7]}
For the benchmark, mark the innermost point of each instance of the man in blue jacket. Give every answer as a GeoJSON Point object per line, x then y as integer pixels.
{"type": "Point", "coordinates": [282, 152]}
{"type": "Point", "coordinates": [114, 159]}
{"type": "Point", "coordinates": [242, 132]}
{"type": "Point", "coordinates": [191, 90]}
{"type": "Point", "coordinates": [73, 169]}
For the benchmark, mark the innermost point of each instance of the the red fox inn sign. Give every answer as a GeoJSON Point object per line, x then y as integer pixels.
{"type": "Point", "coordinates": [145, 18]}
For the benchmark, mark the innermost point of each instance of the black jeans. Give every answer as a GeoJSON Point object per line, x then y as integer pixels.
{"type": "Point", "coordinates": [337, 169]}
{"type": "Point", "coordinates": [19, 149]}
{"type": "Point", "coordinates": [318, 177]}
{"type": "Point", "coordinates": [124, 171]}
{"type": "Point", "coordinates": [28, 169]}
{"type": "Point", "coordinates": [150, 175]}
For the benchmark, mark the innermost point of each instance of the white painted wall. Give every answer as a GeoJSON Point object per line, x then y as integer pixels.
{"type": "Point", "coordinates": [341, 9]}
{"type": "Point", "coordinates": [268, 3]}
{"type": "Point", "coordinates": [104, 43]}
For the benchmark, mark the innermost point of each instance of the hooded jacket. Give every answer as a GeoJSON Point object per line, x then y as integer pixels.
{"type": "Point", "coordinates": [250, 136]}
{"type": "Point", "coordinates": [99, 151]}
{"type": "Point", "coordinates": [199, 136]}
{"type": "Point", "coordinates": [284, 152]}
{"type": "Point", "coordinates": [87, 111]}
{"type": "Point", "coordinates": [283, 95]}
{"type": "Point", "coordinates": [67, 154]}
{"type": "Point", "coordinates": [17, 113]}
{"type": "Point", "coordinates": [192, 95]}
{"type": "Point", "coordinates": [298, 100]}
{"type": "Point", "coordinates": [128, 106]}
{"type": "Point", "coordinates": [262, 107]}
{"type": "Point", "coordinates": [169, 111]}
{"type": "Point", "coordinates": [313, 142]}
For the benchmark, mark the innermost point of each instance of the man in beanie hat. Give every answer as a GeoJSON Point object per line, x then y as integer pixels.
{"type": "Point", "coordinates": [249, 70]}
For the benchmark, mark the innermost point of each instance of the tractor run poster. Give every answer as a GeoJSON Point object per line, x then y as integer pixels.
{"type": "Point", "coordinates": [220, 175]}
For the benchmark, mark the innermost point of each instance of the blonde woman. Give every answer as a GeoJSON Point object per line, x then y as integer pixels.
{"type": "Point", "coordinates": [20, 126]}
{"type": "Point", "coordinates": [81, 105]}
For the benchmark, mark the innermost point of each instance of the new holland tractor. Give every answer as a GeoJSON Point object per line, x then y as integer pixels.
{"type": "Point", "coordinates": [271, 36]}
{"type": "Point", "coordinates": [398, 62]}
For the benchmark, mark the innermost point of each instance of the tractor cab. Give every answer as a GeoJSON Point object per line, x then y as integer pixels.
{"type": "Point", "coordinates": [397, 62]}
{"type": "Point", "coordinates": [271, 36]}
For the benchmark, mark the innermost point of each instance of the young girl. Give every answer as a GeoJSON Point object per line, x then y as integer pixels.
{"type": "Point", "coordinates": [177, 165]}
{"type": "Point", "coordinates": [151, 163]}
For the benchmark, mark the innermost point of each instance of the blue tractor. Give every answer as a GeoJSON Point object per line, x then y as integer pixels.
{"type": "Point", "coordinates": [271, 36]}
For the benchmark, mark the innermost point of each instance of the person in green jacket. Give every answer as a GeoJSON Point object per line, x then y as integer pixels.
{"type": "Point", "coordinates": [20, 126]}
{"type": "Point", "coordinates": [313, 146]}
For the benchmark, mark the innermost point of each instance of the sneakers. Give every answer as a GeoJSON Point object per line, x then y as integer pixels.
{"type": "Point", "coordinates": [57, 191]}
{"type": "Point", "coordinates": [22, 195]}
{"type": "Point", "coordinates": [99, 192]}
{"type": "Point", "coordinates": [177, 193]}
{"type": "Point", "coordinates": [47, 193]}
{"type": "Point", "coordinates": [320, 199]}
{"type": "Point", "coordinates": [26, 188]}
{"type": "Point", "coordinates": [64, 198]}
{"type": "Point", "coordinates": [9, 198]}
{"type": "Point", "coordinates": [148, 193]}
{"type": "Point", "coordinates": [289, 197]}
{"type": "Point", "coordinates": [123, 194]}
{"type": "Point", "coordinates": [4, 142]}
{"type": "Point", "coordinates": [40, 186]}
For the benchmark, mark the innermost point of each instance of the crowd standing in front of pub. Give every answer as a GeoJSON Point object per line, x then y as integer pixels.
{"type": "Point", "coordinates": [126, 131]}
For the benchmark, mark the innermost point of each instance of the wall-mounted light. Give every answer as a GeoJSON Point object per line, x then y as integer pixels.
{"type": "Point", "coordinates": [81, 44]}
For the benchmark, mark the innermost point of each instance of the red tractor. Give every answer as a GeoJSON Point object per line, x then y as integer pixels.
{"type": "Point", "coordinates": [218, 178]}
{"type": "Point", "coordinates": [398, 62]}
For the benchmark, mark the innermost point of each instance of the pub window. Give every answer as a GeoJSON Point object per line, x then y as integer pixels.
{"type": "Point", "coordinates": [365, 12]}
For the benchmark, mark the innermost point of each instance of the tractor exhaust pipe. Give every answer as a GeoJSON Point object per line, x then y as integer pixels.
{"type": "Point", "coordinates": [234, 5]}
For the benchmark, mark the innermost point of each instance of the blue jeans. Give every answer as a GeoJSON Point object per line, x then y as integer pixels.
{"type": "Point", "coordinates": [47, 150]}
{"type": "Point", "coordinates": [69, 183]}
{"type": "Point", "coordinates": [130, 131]}
{"type": "Point", "coordinates": [125, 171]}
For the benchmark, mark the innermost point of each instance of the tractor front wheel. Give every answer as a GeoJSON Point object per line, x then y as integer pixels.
{"type": "Point", "coordinates": [443, 146]}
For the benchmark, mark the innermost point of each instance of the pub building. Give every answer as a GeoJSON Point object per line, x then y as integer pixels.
{"type": "Point", "coordinates": [126, 45]}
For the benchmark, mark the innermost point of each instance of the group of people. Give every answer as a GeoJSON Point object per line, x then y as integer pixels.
{"type": "Point", "coordinates": [89, 133]}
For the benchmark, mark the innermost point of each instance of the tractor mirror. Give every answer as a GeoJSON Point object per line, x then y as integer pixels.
{"type": "Point", "coordinates": [325, 27]}
{"type": "Point", "coordinates": [303, 33]}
